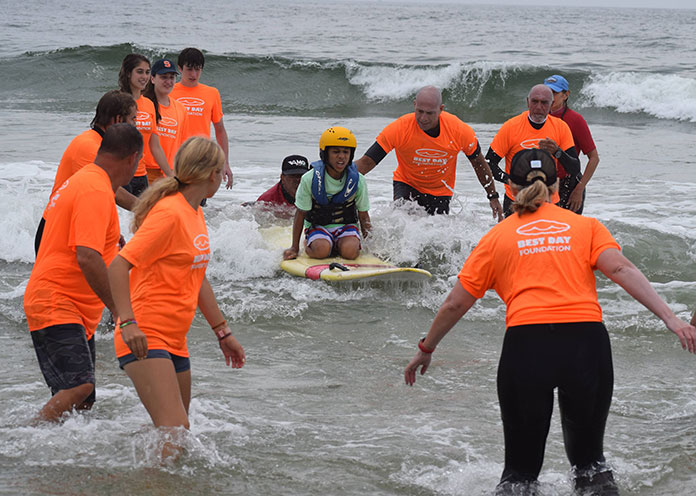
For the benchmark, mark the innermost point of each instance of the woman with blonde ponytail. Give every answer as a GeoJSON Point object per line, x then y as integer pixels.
{"type": "Point", "coordinates": [541, 262]}
{"type": "Point", "coordinates": [157, 281]}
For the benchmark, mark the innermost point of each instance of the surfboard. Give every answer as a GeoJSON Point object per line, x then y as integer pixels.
{"type": "Point", "coordinates": [337, 269]}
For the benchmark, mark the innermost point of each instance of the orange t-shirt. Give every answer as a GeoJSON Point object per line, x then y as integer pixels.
{"type": "Point", "coordinates": [518, 134]}
{"type": "Point", "coordinates": [145, 122]}
{"type": "Point", "coordinates": [81, 213]}
{"type": "Point", "coordinates": [81, 151]}
{"type": "Point", "coordinates": [541, 265]}
{"type": "Point", "coordinates": [169, 254]}
{"type": "Point", "coordinates": [203, 105]}
{"type": "Point", "coordinates": [172, 130]}
{"type": "Point", "coordinates": [425, 162]}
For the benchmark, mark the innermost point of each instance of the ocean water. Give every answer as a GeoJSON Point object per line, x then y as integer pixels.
{"type": "Point", "coordinates": [321, 408]}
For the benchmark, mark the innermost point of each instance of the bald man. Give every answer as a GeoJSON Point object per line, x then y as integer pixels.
{"type": "Point", "coordinates": [533, 128]}
{"type": "Point", "coordinates": [427, 143]}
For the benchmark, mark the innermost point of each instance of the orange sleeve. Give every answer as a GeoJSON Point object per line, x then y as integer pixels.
{"type": "Point", "coordinates": [499, 145]}
{"type": "Point", "coordinates": [601, 240]}
{"type": "Point", "coordinates": [388, 139]}
{"type": "Point", "coordinates": [217, 107]}
{"type": "Point", "coordinates": [90, 220]}
{"type": "Point", "coordinates": [478, 275]}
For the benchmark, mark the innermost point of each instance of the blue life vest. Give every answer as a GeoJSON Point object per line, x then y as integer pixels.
{"type": "Point", "coordinates": [340, 209]}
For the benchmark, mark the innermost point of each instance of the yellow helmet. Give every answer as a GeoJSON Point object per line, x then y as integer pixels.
{"type": "Point", "coordinates": [337, 136]}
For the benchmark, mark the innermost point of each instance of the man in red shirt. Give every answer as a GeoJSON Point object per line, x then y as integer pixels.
{"type": "Point", "coordinates": [282, 195]}
{"type": "Point", "coordinates": [572, 188]}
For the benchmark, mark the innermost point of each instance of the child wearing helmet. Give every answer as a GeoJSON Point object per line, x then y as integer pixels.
{"type": "Point", "coordinates": [331, 200]}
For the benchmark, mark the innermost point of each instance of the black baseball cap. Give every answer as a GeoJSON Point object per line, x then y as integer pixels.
{"type": "Point", "coordinates": [532, 160]}
{"type": "Point", "coordinates": [295, 164]}
{"type": "Point", "coordinates": [163, 66]}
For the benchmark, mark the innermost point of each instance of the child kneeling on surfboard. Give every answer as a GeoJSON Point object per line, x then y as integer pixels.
{"type": "Point", "coordinates": [331, 200]}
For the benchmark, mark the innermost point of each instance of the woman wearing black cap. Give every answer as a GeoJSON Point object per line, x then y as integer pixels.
{"type": "Point", "coordinates": [541, 263]}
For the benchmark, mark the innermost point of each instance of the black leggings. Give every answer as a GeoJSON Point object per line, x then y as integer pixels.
{"type": "Point", "coordinates": [432, 204]}
{"type": "Point", "coordinates": [536, 359]}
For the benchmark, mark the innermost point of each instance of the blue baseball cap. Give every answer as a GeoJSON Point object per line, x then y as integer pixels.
{"type": "Point", "coordinates": [163, 66]}
{"type": "Point", "coordinates": [556, 83]}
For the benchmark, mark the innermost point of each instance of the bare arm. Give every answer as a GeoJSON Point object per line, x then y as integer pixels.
{"type": "Point", "coordinates": [619, 269]}
{"type": "Point", "coordinates": [297, 225]}
{"type": "Point", "coordinates": [94, 269]}
{"type": "Point", "coordinates": [120, 289]}
{"type": "Point", "coordinates": [485, 177]}
{"type": "Point", "coordinates": [233, 351]}
{"type": "Point", "coordinates": [365, 164]}
{"type": "Point", "coordinates": [159, 156]}
{"type": "Point", "coordinates": [125, 200]}
{"type": "Point", "coordinates": [223, 141]}
{"type": "Point", "coordinates": [457, 303]}
{"type": "Point", "coordinates": [365, 223]}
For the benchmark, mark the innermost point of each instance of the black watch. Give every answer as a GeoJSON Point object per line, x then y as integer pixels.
{"type": "Point", "coordinates": [493, 196]}
{"type": "Point", "coordinates": [558, 152]}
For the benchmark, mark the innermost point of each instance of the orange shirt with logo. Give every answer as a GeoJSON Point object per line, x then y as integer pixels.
{"type": "Point", "coordinates": [203, 105]}
{"type": "Point", "coordinates": [425, 163]}
{"type": "Point", "coordinates": [518, 134]}
{"type": "Point", "coordinates": [169, 254]}
{"type": "Point", "coordinates": [541, 265]}
{"type": "Point", "coordinates": [82, 212]}
{"type": "Point", "coordinates": [145, 122]}
{"type": "Point", "coordinates": [172, 130]}
{"type": "Point", "coordinates": [81, 151]}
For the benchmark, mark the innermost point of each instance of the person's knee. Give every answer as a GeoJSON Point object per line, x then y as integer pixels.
{"type": "Point", "coordinates": [349, 248]}
{"type": "Point", "coordinates": [319, 249]}
{"type": "Point", "coordinates": [82, 391]}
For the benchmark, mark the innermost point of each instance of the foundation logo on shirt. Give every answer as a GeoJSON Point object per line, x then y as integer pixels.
{"type": "Point", "coordinates": [429, 156]}
{"type": "Point", "coordinates": [168, 122]}
{"type": "Point", "coordinates": [194, 106]}
{"type": "Point", "coordinates": [531, 143]}
{"type": "Point", "coordinates": [545, 237]}
{"type": "Point", "coordinates": [201, 242]}
{"type": "Point", "coordinates": [542, 226]}
{"type": "Point", "coordinates": [142, 116]}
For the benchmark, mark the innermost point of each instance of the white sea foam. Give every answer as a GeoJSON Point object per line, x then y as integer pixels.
{"type": "Point", "coordinates": [666, 96]}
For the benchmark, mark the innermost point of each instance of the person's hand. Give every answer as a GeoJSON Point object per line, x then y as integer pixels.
{"type": "Point", "coordinates": [135, 340]}
{"type": "Point", "coordinates": [497, 209]}
{"type": "Point", "coordinates": [420, 360]}
{"type": "Point", "coordinates": [290, 253]}
{"type": "Point", "coordinates": [685, 332]}
{"type": "Point", "coordinates": [227, 175]}
{"type": "Point", "coordinates": [549, 145]}
{"type": "Point", "coordinates": [575, 198]}
{"type": "Point", "coordinates": [233, 351]}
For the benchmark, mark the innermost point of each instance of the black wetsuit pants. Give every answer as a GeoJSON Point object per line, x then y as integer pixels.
{"type": "Point", "coordinates": [536, 359]}
{"type": "Point", "coordinates": [432, 204]}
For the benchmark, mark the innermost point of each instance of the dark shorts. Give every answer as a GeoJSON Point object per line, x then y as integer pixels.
{"type": "Point", "coordinates": [181, 364]}
{"type": "Point", "coordinates": [65, 356]}
{"type": "Point", "coordinates": [507, 206]}
{"type": "Point", "coordinates": [432, 204]}
{"type": "Point", "coordinates": [137, 185]}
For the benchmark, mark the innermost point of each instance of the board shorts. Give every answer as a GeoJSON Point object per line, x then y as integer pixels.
{"type": "Point", "coordinates": [181, 364]}
{"type": "Point", "coordinates": [566, 187]}
{"type": "Point", "coordinates": [432, 204]}
{"type": "Point", "coordinates": [332, 235]}
{"type": "Point", "coordinates": [137, 185]}
{"type": "Point", "coordinates": [65, 356]}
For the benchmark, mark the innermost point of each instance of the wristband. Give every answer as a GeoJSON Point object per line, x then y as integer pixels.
{"type": "Point", "coordinates": [223, 323]}
{"type": "Point", "coordinates": [423, 348]}
{"type": "Point", "coordinates": [221, 334]}
{"type": "Point", "coordinates": [127, 323]}
{"type": "Point", "coordinates": [493, 196]}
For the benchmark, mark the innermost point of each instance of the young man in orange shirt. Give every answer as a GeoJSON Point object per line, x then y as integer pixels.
{"type": "Point", "coordinates": [427, 143]}
{"type": "Point", "coordinates": [202, 103]}
{"type": "Point", "coordinates": [68, 286]}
